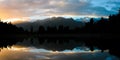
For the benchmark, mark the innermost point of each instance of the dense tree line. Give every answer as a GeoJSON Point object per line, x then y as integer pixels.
{"type": "Point", "coordinates": [8, 28]}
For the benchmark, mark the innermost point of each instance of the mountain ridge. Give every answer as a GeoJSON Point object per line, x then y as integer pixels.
{"type": "Point", "coordinates": [52, 22]}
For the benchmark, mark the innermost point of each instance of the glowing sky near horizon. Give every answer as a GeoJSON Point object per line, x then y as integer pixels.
{"type": "Point", "coordinates": [27, 10]}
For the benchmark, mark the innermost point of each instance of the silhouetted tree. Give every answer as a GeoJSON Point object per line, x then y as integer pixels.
{"type": "Point", "coordinates": [60, 28]}
{"type": "Point", "coordinates": [91, 21]}
{"type": "Point", "coordinates": [31, 29]}
{"type": "Point", "coordinates": [41, 29]}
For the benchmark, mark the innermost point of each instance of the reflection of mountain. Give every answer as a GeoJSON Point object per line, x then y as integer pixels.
{"type": "Point", "coordinates": [52, 22]}
{"type": "Point", "coordinates": [51, 44]}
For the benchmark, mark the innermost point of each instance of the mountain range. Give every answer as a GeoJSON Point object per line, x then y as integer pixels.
{"type": "Point", "coordinates": [52, 22]}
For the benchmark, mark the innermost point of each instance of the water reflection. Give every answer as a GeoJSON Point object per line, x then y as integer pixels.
{"type": "Point", "coordinates": [51, 44]}
{"type": "Point", "coordinates": [53, 49]}
{"type": "Point", "coordinates": [32, 53]}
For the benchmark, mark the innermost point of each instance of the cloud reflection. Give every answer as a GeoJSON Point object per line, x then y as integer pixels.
{"type": "Point", "coordinates": [32, 53]}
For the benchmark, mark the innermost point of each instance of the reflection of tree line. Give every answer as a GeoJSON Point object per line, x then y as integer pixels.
{"type": "Point", "coordinates": [103, 26]}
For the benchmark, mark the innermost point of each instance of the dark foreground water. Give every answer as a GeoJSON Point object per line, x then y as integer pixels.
{"type": "Point", "coordinates": [53, 49]}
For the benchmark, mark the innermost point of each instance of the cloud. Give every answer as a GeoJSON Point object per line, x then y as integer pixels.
{"type": "Point", "coordinates": [28, 8]}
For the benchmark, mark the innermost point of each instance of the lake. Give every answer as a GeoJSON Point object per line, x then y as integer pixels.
{"type": "Point", "coordinates": [53, 49]}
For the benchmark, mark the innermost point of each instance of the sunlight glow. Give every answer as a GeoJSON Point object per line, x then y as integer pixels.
{"type": "Point", "coordinates": [16, 20]}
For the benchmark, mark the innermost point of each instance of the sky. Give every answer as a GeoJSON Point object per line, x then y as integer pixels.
{"type": "Point", "coordinates": [27, 10]}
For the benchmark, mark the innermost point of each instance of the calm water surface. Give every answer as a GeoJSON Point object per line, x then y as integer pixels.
{"type": "Point", "coordinates": [32, 49]}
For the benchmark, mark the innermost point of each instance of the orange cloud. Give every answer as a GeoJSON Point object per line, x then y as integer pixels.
{"type": "Point", "coordinates": [6, 14]}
